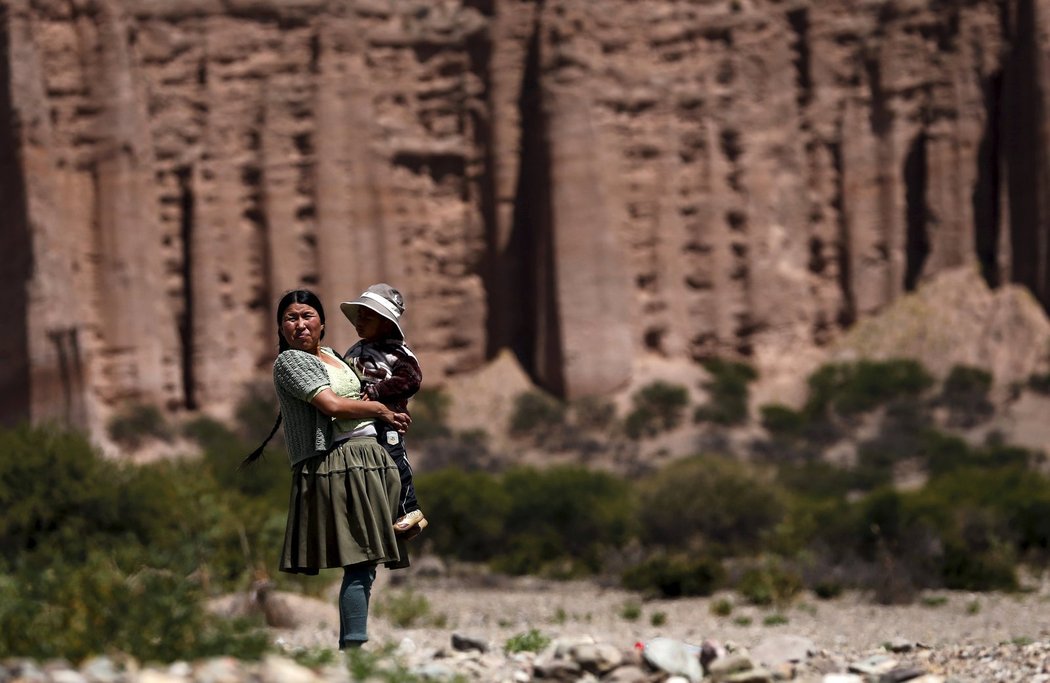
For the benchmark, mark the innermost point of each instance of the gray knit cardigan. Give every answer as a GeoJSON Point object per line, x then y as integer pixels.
{"type": "Point", "coordinates": [298, 377]}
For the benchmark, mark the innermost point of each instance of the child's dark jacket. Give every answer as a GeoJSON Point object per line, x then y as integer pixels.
{"type": "Point", "coordinates": [388, 370]}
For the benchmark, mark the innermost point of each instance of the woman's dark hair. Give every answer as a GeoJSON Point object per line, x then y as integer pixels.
{"type": "Point", "coordinates": [296, 296]}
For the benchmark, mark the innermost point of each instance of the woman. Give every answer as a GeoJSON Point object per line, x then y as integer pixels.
{"type": "Point", "coordinates": [345, 488]}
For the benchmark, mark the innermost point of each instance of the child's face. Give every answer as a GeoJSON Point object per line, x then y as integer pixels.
{"type": "Point", "coordinates": [371, 326]}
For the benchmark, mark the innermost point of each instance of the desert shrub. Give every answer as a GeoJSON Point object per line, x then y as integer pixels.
{"type": "Point", "coordinates": [816, 479]}
{"type": "Point", "coordinates": [853, 388]}
{"type": "Point", "coordinates": [965, 394]}
{"type": "Point", "coordinates": [59, 498]}
{"type": "Point", "coordinates": [473, 509]}
{"type": "Point", "coordinates": [592, 413]}
{"type": "Point", "coordinates": [429, 408]}
{"type": "Point", "coordinates": [722, 607]}
{"type": "Point", "coordinates": [657, 407]}
{"type": "Point", "coordinates": [827, 589]}
{"type": "Point", "coordinates": [528, 641]}
{"type": "Point", "coordinates": [55, 492]}
{"type": "Point", "coordinates": [782, 421]}
{"type": "Point", "coordinates": [727, 392]}
{"type": "Point", "coordinates": [1017, 498]}
{"type": "Point", "coordinates": [769, 582]}
{"type": "Point", "coordinates": [382, 665]}
{"type": "Point", "coordinates": [978, 561]}
{"type": "Point", "coordinates": [535, 413]}
{"type": "Point", "coordinates": [403, 609]}
{"type": "Point", "coordinates": [874, 467]}
{"type": "Point", "coordinates": [75, 610]}
{"type": "Point", "coordinates": [720, 503]}
{"type": "Point", "coordinates": [945, 453]}
{"type": "Point", "coordinates": [675, 575]}
{"type": "Point", "coordinates": [1039, 383]}
{"type": "Point", "coordinates": [963, 530]}
{"type": "Point", "coordinates": [631, 610]}
{"type": "Point", "coordinates": [564, 513]}
{"type": "Point", "coordinates": [137, 423]}
{"type": "Point", "coordinates": [817, 525]}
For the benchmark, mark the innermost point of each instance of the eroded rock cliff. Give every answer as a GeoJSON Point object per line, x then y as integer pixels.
{"type": "Point", "coordinates": [582, 182]}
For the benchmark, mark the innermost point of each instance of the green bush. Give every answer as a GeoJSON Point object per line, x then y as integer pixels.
{"type": "Point", "coordinates": [403, 609]}
{"type": "Point", "coordinates": [853, 388]}
{"type": "Point", "coordinates": [816, 479]}
{"type": "Point", "coordinates": [946, 453]}
{"type": "Point", "coordinates": [676, 575]}
{"type": "Point", "coordinates": [138, 423]}
{"type": "Point", "coordinates": [472, 508]}
{"type": "Point", "coordinates": [722, 607]}
{"type": "Point", "coordinates": [827, 589]}
{"type": "Point", "coordinates": [529, 641]}
{"type": "Point", "coordinates": [73, 611]}
{"type": "Point", "coordinates": [769, 583]}
{"type": "Point", "coordinates": [727, 392]}
{"type": "Point", "coordinates": [55, 493]}
{"type": "Point", "coordinates": [592, 413]}
{"type": "Point", "coordinates": [658, 407]}
{"type": "Point", "coordinates": [58, 497]}
{"type": "Point", "coordinates": [565, 513]}
{"type": "Point", "coordinates": [382, 665]}
{"type": "Point", "coordinates": [631, 611]}
{"type": "Point", "coordinates": [782, 421]}
{"type": "Point", "coordinates": [965, 394]}
{"type": "Point", "coordinates": [718, 503]}
{"type": "Point", "coordinates": [1039, 383]}
{"type": "Point", "coordinates": [535, 414]}
{"type": "Point", "coordinates": [429, 408]}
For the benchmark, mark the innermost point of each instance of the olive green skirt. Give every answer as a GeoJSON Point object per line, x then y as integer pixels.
{"type": "Point", "coordinates": [341, 510]}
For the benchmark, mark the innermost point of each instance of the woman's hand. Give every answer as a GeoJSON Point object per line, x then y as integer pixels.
{"type": "Point", "coordinates": [399, 421]}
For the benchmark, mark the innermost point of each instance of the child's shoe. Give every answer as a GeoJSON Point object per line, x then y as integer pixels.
{"type": "Point", "coordinates": [413, 521]}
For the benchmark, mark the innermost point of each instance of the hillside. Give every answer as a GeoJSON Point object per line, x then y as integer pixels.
{"type": "Point", "coordinates": [602, 189]}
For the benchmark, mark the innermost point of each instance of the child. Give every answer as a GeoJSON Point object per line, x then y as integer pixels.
{"type": "Point", "coordinates": [389, 374]}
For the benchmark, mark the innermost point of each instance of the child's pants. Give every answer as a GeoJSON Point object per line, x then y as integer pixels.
{"type": "Point", "coordinates": [399, 455]}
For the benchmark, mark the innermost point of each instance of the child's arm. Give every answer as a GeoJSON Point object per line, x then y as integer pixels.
{"type": "Point", "coordinates": [405, 378]}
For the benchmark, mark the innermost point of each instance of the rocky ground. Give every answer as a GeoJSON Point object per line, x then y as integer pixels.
{"type": "Point", "coordinates": [955, 636]}
{"type": "Point", "coordinates": [433, 624]}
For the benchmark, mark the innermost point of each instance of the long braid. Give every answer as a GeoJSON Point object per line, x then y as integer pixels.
{"type": "Point", "coordinates": [258, 452]}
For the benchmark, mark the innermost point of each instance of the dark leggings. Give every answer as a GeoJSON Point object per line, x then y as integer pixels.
{"type": "Point", "coordinates": [354, 595]}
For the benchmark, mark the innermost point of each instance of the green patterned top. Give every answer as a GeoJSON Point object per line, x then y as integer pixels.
{"type": "Point", "coordinates": [298, 378]}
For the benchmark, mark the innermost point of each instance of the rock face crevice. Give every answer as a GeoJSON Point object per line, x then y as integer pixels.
{"type": "Point", "coordinates": [582, 183]}
{"type": "Point", "coordinates": [17, 246]}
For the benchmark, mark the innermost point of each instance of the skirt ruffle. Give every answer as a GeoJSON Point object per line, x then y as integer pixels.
{"type": "Point", "coordinates": [341, 510]}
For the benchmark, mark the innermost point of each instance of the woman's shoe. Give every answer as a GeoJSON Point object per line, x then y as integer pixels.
{"type": "Point", "coordinates": [409, 521]}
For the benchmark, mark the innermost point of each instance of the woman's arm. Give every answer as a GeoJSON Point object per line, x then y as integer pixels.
{"type": "Point", "coordinates": [334, 405]}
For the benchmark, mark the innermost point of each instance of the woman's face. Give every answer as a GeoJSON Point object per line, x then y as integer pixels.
{"type": "Point", "coordinates": [301, 327]}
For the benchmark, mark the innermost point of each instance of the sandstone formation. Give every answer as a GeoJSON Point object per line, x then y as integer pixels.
{"type": "Point", "coordinates": [581, 182]}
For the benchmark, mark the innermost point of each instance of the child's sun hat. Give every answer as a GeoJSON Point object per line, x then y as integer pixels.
{"type": "Point", "coordinates": [381, 298]}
